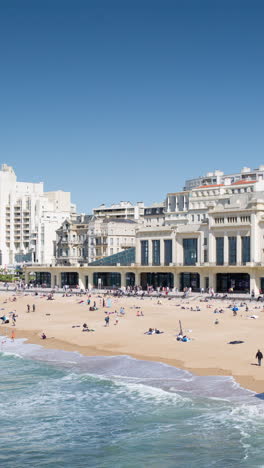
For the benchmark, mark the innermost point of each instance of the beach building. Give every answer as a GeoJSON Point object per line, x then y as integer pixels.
{"type": "Point", "coordinates": [209, 236]}
{"type": "Point", "coordinates": [29, 219]}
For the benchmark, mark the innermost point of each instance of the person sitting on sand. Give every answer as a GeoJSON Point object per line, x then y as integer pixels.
{"type": "Point", "coordinates": [4, 319]}
{"type": "Point", "coordinates": [43, 336]}
{"type": "Point", "coordinates": [150, 331]}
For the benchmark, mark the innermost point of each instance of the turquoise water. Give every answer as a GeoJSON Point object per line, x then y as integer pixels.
{"type": "Point", "coordinates": [61, 409]}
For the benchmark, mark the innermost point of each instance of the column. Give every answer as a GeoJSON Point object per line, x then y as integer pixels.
{"type": "Point", "coordinates": [226, 249]}
{"type": "Point", "coordinates": [176, 281]}
{"type": "Point", "coordinates": [200, 242]}
{"type": "Point", "coordinates": [162, 259]}
{"type": "Point", "coordinates": [179, 249]}
{"type": "Point", "coordinates": [150, 252]}
{"type": "Point", "coordinates": [137, 278]}
{"type": "Point", "coordinates": [81, 280]}
{"type": "Point", "coordinates": [123, 279]}
{"type": "Point", "coordinates": [26, 276]}
{"type": "Point", "coordinates": [239, 249]}
{"type": "Point", "coordinates": [253, 283]}
{"type": "Point", "coordinates": [52, 279]}
{"type": "Point", "coordinates": [253, 239]}
{"type": "Point", "coordinates": [211, 249]}
{"type": "Point", "coordinates": [212, 280]}
{"type": "Point", "coordinates": [138, 251]}
{"type": "Point", "coordinates": [174, 250]}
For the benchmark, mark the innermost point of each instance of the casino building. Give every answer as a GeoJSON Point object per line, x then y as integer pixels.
{"type": "Point", "coordinates": [206, 236]}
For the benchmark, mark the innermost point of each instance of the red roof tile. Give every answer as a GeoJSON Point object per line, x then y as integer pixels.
{"type": "Point", "coordinates": [207, 186]}
{"type": "Point", "coordinates": [244, 182]}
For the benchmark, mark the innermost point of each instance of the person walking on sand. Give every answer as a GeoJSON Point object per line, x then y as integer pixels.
{"type": "Point", "coordinates": [28, 308]}
{"type": "Point", "coordinates": [259, 357]}
{"type": "Point", "coordinates": [33, 308]}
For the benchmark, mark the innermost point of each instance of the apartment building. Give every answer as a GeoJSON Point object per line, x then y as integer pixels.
{"type": "Point", "coordinates": [29, 219]}
{"type": "Point", "coordinates": [122, 210]}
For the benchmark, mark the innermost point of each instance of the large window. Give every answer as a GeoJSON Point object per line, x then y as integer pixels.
{"type": "Point", "coordinates": [167, 251]}
{"type": "Point", "coordinates": [245, 249]}
{"type": "Point", "coordinates": [156, 280]}
{"type": "Point", "coordinates": [190, 280]}
{"type": "Point", "coordinates": [70, 279]}
{"type": "Point", "coordinates": [232, 251]}
{"type": "Point", "coordinates": [144, 252]}
{"type": "Point", "coordinates": [107, 280]}
{"type": "Point", "coordinates": [239, 282]}
{"type": "Point", "coordinates": [190, 251]}
{"type": "Point", "coordinates": [219, 250]}
{"type": "Point", "coordinates": [156, 252]}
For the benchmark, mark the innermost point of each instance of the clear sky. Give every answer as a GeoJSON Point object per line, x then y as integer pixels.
{"type": "Point", "coordinates": [125, 99]}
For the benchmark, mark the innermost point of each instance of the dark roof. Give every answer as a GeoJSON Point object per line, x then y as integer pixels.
{"type": "Point", "coordinates": [119, 220]}
{"type": "Point", "coordinates": [83, 219]}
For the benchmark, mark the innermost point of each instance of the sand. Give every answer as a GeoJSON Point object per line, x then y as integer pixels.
{"type": "Point", "coordinates": [208, 352]}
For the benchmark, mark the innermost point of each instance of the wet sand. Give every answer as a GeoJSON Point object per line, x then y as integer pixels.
{"type": "Point", "coordinates": [208, 352]}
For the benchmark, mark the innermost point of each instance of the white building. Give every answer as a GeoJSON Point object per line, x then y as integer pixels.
{"type": "Point", "coordinates": [208, 236]}
{"type": "Point", "coordinates": [29, 219]}
{"type": "Point", "coordinates": [107, 236]}
{"type": "Point", "coordinates": [122, 210]}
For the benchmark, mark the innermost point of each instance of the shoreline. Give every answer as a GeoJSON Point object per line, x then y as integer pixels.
{"type": "Point", "coordinates": [209, 352]}
{"type": "Point", "coordinates": [247, 382]}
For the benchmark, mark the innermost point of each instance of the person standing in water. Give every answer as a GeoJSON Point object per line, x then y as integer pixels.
{"type": "Point", "coordinates": [259, 357]}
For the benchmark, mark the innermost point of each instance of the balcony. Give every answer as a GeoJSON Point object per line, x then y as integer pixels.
{"type": "Point", "coordinates": [126, 245]}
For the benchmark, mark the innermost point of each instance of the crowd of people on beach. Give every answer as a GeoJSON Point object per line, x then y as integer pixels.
{"type": "Point", "coordinates": [103, 301]}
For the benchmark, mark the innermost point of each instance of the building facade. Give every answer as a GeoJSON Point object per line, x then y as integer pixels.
{"type": "Point", "coordinates": [209, 236]}
{"type": "Point", "coordinates": [29, 219]}
{"type": "Point", "coordinates": [122, 210]}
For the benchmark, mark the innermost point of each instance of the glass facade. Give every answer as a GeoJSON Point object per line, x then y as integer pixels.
{"type": "Point", "coordinates": [125, 258]}
{"type": "Point", "coordinates": [43, 278]}
{"type": "Point", "coordinates": [232, 250]}
{"type": "Point", "coordinates": [107, 280]}
{"type": "Point", "coordinates": [167, 251]}
{"type": "Point", "coordinates": [156, 252]}
{"type": "Point", "coordinates": [144, 252]}
{"type": "Point", "coordinates": [190, 280]}
{"type": "Point", "coordinates": [238, 282]}
{"type": "Point", "coordinates": [219, 250]}
{"type": "Point", "coordinates": [245, 249]}
{"type": "Point", "coordinates": [157, 280]}
{"type": "Point", "coordinates": [69, 278]}
{"type": "Point", "coordinates": [190, 251]}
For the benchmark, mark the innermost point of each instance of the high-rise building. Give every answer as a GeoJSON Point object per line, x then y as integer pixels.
{"type": "Point", "coordinates": [29, 219]}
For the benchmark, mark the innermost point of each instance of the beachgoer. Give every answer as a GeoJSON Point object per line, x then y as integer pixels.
{"type": "Point", "coordinates": [43, 336]}
{"type": "Point", "coordinates": [259, 357]}
{"type": "Point", "coordinates": [107, 320]}
{"type": "Point", "coordinates": [28, 308]}
{"type": "Point", "coordinates": [33, 308]}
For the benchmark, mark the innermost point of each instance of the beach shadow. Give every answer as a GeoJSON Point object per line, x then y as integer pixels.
{"type": "Point", "coordinates": [254, 364]}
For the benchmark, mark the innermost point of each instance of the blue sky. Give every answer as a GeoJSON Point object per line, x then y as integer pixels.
{"type": "Point", "coordinates": [125, 99]}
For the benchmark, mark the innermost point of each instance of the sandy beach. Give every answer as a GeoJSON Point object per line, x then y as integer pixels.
{"type": "Point", "coordinates": [207, 353]}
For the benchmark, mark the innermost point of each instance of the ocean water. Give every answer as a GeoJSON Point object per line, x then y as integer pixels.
{"type": "Point", "coordinates": [61, 409]}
